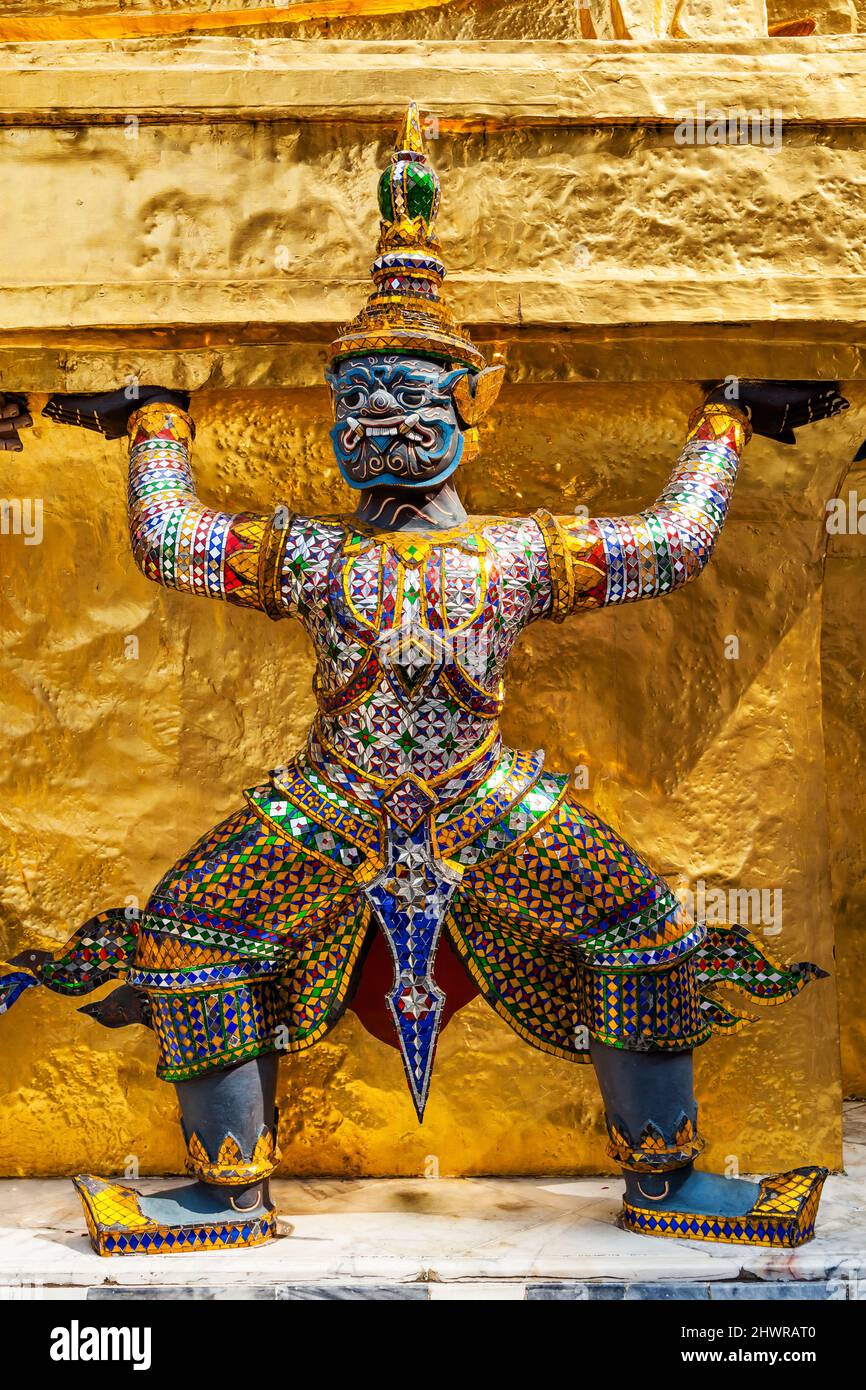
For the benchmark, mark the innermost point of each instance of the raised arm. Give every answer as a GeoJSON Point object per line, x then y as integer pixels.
{"type": "Point", "coordinates": [179, 542]}
{"type": "Point", "coordinates": [176, 541]}
{"type": "Point", "coordinates": [603, 560]}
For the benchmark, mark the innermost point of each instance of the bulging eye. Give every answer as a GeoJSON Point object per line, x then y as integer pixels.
{"type": "Point", "coordinates": [412, 397]}
{"type": "Point", "coordinates": [352, 399]}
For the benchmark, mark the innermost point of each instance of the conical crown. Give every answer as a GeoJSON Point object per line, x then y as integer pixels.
{"type": "Point", "coordinates": [404, 312]}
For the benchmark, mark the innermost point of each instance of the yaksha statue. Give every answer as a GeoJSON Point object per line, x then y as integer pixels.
{"type": "Point", "coordinates": [405, 841]}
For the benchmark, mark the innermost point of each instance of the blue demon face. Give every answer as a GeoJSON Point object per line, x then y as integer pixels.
{"type": "Point", "coordinates": [395, 421]}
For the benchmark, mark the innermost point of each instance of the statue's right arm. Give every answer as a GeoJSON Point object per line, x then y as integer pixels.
{"type": "Point", "coordinates": [253, 559]}
{"type": "Point", "coordinates": [179, 542]}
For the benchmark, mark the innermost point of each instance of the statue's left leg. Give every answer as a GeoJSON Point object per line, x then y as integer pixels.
{"type": "Point", "coordinates": [581, 947]}
{"type": "Point", "coordinates": [651, 1112]}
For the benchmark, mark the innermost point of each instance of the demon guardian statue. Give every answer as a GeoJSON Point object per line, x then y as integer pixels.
{"type": "Point", "coordinates": [405, 827]}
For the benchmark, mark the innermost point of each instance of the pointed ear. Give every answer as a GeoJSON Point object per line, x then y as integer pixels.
{"type": "Point", "coordinates": [475, 395]}
{"type": "Point", "coordinates": [449, 381]}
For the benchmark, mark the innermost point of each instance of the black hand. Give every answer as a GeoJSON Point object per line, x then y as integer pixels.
{"type": "Point", "coordinates": [14, 416]}
{"type": "Point", "coordinates": [108, 412]}
{"type": "Point", "coordinates": [777, 408]}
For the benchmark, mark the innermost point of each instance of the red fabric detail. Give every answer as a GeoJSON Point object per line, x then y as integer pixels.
{"type": "Point", "coordinates": [596, 557]}
{"type": "Point", "coordinates": [709, 429]}
{"type": "Point", "coordinates": [377, 977]}
{"type": "Point", "coordinates": [142, 434]}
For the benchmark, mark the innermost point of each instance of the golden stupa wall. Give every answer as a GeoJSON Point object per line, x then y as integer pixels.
{"type": "Point", "coordinates": [200, 211]}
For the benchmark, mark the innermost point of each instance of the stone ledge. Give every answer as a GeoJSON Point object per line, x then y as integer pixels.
{"type": "Point", "coordinates": [613, 1290]}
{"type": "Point", "coordinates": [493, 85]}
{"type": "Point", "coordinates": [491, 302]}
{"type": "Point", "coordinates": [504, 1238]}
{"type": "Point", "coordinates": [211, 358]}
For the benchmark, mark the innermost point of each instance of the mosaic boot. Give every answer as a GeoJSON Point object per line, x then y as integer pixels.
{"type": "Point", "coordinates": [651, 1114]}
{"type": "Point", "coordinates": [229, 1124]}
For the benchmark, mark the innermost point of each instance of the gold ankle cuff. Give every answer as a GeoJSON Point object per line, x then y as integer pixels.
{"type": "Point", "coordinates": [652, 1152]}
{"type": "Point", "coordinates": [232, 1167]}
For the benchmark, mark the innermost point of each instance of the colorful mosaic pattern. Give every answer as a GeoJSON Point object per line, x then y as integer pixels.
{"type": "Point", "coordinates": [652, 1151]}
{"type": "Point", "coordinates": [201, 1029]}
{"type": "Point", "coordinates": [252, 942]}
{"type": "Point", "coordinates": [556, 1002]}
{"type": "Point", "coordinates": [413, 630]}
{"type": "Point", "coordinates": [661, 549]}
{"type": "Point", "coordinates": [535, 922]}
{"type": "Point", "coordinates": [410, 898]}
{"type": "Point", "coordinates": [98, 951]}
{"type": "Point", "coordinates": [405, 313]}
{"type": "Point", "coordinates": [95, 953]}
{"type": "Point", "coordinates": [569, 935]}
{"type": "Point", "coordinates": [576, 879]}
{"type": "Point", "coordinates": [175, 540]}
{"type": "Point", "coordinates": [657, 1011]}
{"type": "Point", "coordinates": [117, 1225]}
{"type": "Point", "coordinates": [782, 1217]}
{"type": "Point", "coordinates": [204, 1027]}
{"type": "Point", "coordinates": [12, 986]}
{"type": "Point", "coordinates": [732, 958]}
{"type": "Point", "coordinates": [562, 924]}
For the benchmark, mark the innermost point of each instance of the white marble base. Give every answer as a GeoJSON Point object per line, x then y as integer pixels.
{"type": "Point", "coordinates": [456, 1238]}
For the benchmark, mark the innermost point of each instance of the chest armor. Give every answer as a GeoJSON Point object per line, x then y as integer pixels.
{"type": "Point", "coordinates": [418, 619]}
{"type": "Point", "coordinates": [412, 614]}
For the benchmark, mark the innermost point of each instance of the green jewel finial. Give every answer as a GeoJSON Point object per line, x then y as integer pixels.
{"type": "Point", "coordinates": [409, 187]}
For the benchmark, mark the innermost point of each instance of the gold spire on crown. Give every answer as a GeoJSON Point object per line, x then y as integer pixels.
{"type": "Point", "coordinates": [404, 313]}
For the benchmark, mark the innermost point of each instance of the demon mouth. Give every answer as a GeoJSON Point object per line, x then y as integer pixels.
{"type": "Point", "coordinates": [407, 427]}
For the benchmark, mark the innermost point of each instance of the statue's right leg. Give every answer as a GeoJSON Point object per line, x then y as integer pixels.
{"type": "Point", "coordinates": [246, 948]}
{"type": "Point", "coordinates": [229, 1124]}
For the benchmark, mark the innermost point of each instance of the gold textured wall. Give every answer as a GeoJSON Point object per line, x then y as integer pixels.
{"type": "Point", "coordinates": [617, 270]}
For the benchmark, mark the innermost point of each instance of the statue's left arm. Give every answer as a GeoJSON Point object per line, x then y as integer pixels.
{"type": "Point", "coordinates": [619, 559]}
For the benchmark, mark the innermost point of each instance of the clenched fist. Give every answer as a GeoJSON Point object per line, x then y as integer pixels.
{"type": "Point", "coordinates": [14, 416]}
